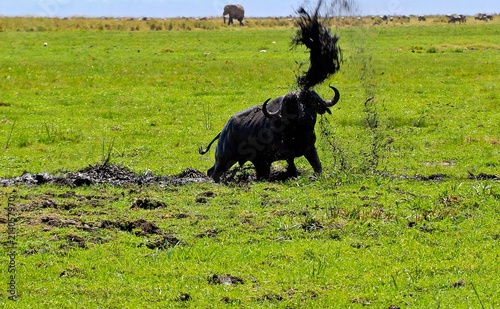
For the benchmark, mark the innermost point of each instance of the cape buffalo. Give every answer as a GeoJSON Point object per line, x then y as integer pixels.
{"type": "Point", "coordinates": [263, 134]}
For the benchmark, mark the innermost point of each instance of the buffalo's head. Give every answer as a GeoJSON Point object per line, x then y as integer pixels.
{"type": "Point", "coordinates": [298, 104]}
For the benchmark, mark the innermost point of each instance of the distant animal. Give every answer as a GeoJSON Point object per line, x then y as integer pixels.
{"type": "Point", "coordinates": [483, 16]}
{"type": "Point", "coordinates": [235, 11]}
{"type": "Point", "coordinates": [263, 134]}
{"type": "Point", "coordinates": [455, 18]}
{"type": "Point", "coordinates": [421, 18]}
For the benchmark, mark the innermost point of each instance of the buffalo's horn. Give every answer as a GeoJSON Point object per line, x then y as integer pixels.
{"type": "Point", "coordinates": [335, 99]}
{"type": "Point", "coordinates": [267, 113]}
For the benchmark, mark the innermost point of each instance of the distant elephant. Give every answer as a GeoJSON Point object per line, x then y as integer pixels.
{"type": "Point", "coordinates": [235, 11]}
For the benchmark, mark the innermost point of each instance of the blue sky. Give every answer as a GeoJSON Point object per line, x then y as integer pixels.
{"type": "Point", "coordinates": [254, 8]}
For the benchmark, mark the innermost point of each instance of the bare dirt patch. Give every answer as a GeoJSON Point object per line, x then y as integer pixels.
{"type": "Point", "coordinates": [106, 174]}
{"type": "Point", "coordinates": [121, 176]}
{"type": "Point", "coordinates": [139, 227]}
{"type": "Point", "coordinates": [163, 242]}
{"type": "Point", "coordinates": [224, 279]}
{"type": "Point", "coordinates": [483, 176]}
{"type": "Point", "coordinates": [147, 203]}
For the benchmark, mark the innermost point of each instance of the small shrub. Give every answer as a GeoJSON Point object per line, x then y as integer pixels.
{"type": "Point", "coordinates": [417, 49]}
{"type": "Point", "coordinates": [432, 50]}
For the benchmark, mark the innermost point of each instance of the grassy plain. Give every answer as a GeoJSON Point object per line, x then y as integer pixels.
{"type": "Point", "coordinates": [374, 229]}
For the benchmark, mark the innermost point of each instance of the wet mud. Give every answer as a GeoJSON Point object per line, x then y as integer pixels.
{"type": "Point", "coordinates": [121, 176]}
{"type": "Point", "coordinates": [107, 174]}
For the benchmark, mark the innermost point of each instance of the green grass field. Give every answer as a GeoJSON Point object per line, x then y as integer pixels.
{"type": "Point", "coordinates": [397, 219]}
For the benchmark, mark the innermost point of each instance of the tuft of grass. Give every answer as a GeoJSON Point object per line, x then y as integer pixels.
{"type": "Point", "coordinates": [432, 50]}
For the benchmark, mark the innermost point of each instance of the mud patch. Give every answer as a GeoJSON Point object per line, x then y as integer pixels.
{"type": "Point", "coordinates": [241, 175]}
{"type": "Point", "coordinates": [208, 233]}
{"type": "Point", "coordinates": [204, 197]}
{"type": "Point", "coordinates": [75, 241]}
{"type": "Point", "coordinates": [272, 297]}
{"type": "Point", "coordinates": [458, 284]}
{"type": "Point", "coordinates": [146, 203]}
{"type": "Point", "coordinates": [139, 227]}
{"type": "Point", "coordinates": [57, 222]}
{"type": "Point", "coordinates": [224, 279]}
{"type": "Point", "coordinates": [39, 204]}
{"type": "Point", "coordinates": [183, 297]}
{"type": "Point", "coordinates": [432, 177]}
{"type": "Point", "coordinates": [483, 176]}
{"type": "Point", "coordinates": [120, 176]}
{"type": "Point", "coordinates": [106, 174]}
{"type": "Point", "coordinates": [51, 222]}
{"type": "Point", "coordinates": [73, 272]}
{"type": "Point", "coordinates": [311, 225]}
{"type": "Point", "coordinates": [163, 242]}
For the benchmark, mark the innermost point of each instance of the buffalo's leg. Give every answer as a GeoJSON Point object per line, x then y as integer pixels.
{"type": "Point", "coordinates": [263, 169]}
{"type": "Point", "coordinates": [313, 159]}
{"type": "Point", "coordinates": [219, 169]}
{"type": "Point", "coordinates": [215, 173]}
{"type": "Point", "coordinates": [291, 170]}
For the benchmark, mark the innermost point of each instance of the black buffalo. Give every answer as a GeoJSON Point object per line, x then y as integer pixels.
{"type": "Point", "coordinates": [263, 134]}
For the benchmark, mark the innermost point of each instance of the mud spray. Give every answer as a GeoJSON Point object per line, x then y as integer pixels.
{"type": "Point", "coordinates": [334, 13]}
{"type": "Point", "coordinates": [325, 57]}
{"type": "Point", "coordinates": [324, 53]}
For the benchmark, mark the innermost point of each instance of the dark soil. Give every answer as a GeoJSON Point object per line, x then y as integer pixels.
{"type": "Point", "coordinates": [311, 225]}
{"type": "Point", "coordinates": [75, 240]}
{"type": "Point", "coordinates": [246, 174]}
{"type": "Point", "coordinates": [183, 297]}
{"type": "Point", "coordinates": [140, 227]}
{"type": "Point", "coordinates": [163, 242]}
{"type": "Point", "coordinates": [483, 176]}
{"type": "Point", "coordinates": [204, 197]}
{"type": "Point", "coordinates": [121, 176]}
{"type": "Point", "coordinates": [106, 174]}
{"type": "Point", "coordinates": [146, 203]}
{"type": "Point", "coordinates": [57, 222]}
{"type": "Point", "coordinates": [224, 279]}
{"type": "Point", "coordinates": [208, 233]}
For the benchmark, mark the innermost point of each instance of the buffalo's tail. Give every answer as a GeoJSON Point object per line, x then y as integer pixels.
{"type": "Point", "coordinates": [204, 151]}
